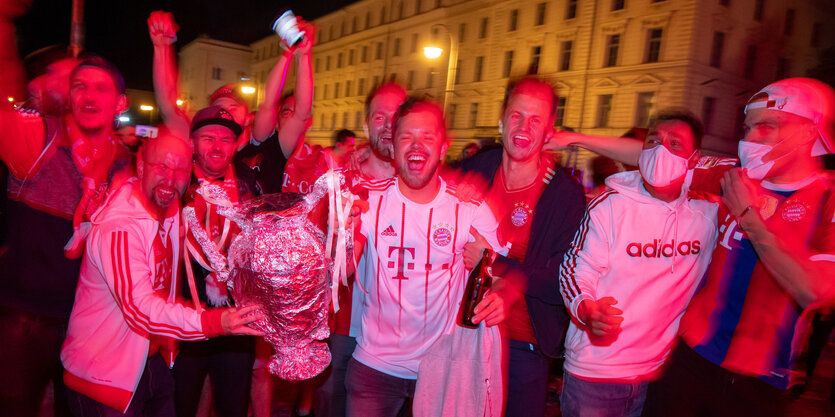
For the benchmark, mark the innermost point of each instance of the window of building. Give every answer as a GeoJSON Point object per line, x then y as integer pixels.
{"type": "Point", "coordinates": [815, 40]}
{"type": "Point", "coordinates": [379, 54]}
{"type": "Point", "coordinates": [565, 55]}
{"type": "Point", "coordinates": [330, 33]}
{"type": "Point", "coordinates": [354, 25]}
{"type": "Point", "coordinates": [479, 67]}
{"type": "Point", "coordinates": [782, 68]}
{"type": "Point", "coordinates": [410, 80]}
{"type": "Point", "coordinates": [750, 62]}
{"type": "Point", "coordinates": [643, 109]}
{"type": "Point", "coordinates": [336, 90]}
{"type": "Point", "coordinates": [612, 49]}
{"type": "Point", "coordinates": [217, 73]}
{"type": "Point", "coordinates": [345, 120]}
{"type": "Point", "coordinates": [508, 64]}
{"type": "Point", "coordinates": [367, 20]}
{"type": "Point", "coordinates": [376, 80]}
{"type": "Point", "coordinates": [788, 27]}
{"type": "Point", "coordinates": [357, 119]}
{"type": "Point", "coordinates": [414, 46]}
{"type": "Point", "coordinates": [400, 10]}
{"type": "Point", "coordinates": [759, 6]}
{"type": "Point", "coordinates": [559, 118]}
{"type": "Point", "coordinates": [350, 57]}
{"type": "Point", "coordinates": [342, 31]}
{"type": "Point", "coordinates": [438, 4]}
{"type": "Point", "coordinates": [473, 114]}
{"type": "Point", "coordinates": [541, 8]}
{"type": "Point", "coordinates": [326, 92]}
{"type": "Point", "coordinates": [458, 72]}
{"type": "Point", "coordinates": [514, 16]}
{"type": "Point", "coordinates": [618, 4]}
{"type": "Point", "coordinates": [536, 53]}
{"type": "Point", "coordinates": [396, 51]}
{"type": "Point", "coordinates": [333, 121]}
{"type": "Point", "coordinates": [322, 121]}
{"type": "Point", "coordinates": [348, 88]}
{"type": "Point", "coordinates": [435, 32]}
{"type": "Point", "coordinates": [450, 117]}
{"type": "Point", "coordinates": [708, 107]}
{"type": "Point", "coordinates": [328, 63]}
{"type": "Point", "coordinates": [462, 32]}
{"type": "Point", "coordinates": [339, 60]}
{"type": "Point", "coordinates": [417, 6]}
{"type": "Point", "coordinates": [716, 50]}
{"type": "Point", "coordinates": [361, 87]}
{"type": "Point", "coordinates": [430, 78]}
{"type": "Point", "coordinates": [364, 54]}
{"type": "Point", "coordinates": [316, 65]}
{"type": "Point", "coordinates": [604, 110]}
{"type": "Point", "coordinates": [383, 15]}
{"type": "Point", "coordinates": [483, 32]}
{"type": "Point", "coordinates": [653, 49]}
{"type": "Point", "coordinates": [257, 54]}
{"type": "Point", "coordinates": [570, 9]}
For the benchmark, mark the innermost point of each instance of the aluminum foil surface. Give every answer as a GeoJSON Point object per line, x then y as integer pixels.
{"type": "Point", "coordinates": [278, 262]}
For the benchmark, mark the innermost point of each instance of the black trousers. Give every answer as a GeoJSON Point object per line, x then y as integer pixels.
{"type": "Point", "coordinates": [692, 386]}
{"type": "Point", "coordinates": [228, 362]}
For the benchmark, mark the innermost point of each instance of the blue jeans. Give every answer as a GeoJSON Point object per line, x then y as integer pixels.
{"type": "Point", "coordinates": [331, 395]}
{"type": "Point", "coordinates": [527, 381]}
{"type": "Point", "coordinates": [372, 393]}
{"type": "Point", "coordinates": [582, 398]}
{"type": "Point", "coordinates": [154, 396]}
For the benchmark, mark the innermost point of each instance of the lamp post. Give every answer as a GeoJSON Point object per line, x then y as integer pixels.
{"type": "Point", "coordinates": [150, 109]}
{"type": "Point", "coordinates": [434, 52]}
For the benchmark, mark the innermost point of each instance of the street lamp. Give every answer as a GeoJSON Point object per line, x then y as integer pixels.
{"type": "Point", "coordinates": [434, 52]}
{"type": "Point", "coordinates": [247, 90]}
{"type": "Point", "coordinates": [150, 109]}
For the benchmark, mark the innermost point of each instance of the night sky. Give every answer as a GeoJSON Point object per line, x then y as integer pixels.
{"type": "Point", "coordinates": [116, 29]}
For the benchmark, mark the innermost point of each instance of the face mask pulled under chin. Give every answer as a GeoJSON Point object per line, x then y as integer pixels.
{"type": "Point", "coordinates": [659, 167]}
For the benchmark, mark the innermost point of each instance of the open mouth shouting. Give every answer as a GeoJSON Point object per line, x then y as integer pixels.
{"type": "Point", "coordinates": [416, 161]}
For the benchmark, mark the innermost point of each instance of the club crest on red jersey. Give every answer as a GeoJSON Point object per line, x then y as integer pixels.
{"type": "Point", "coordinates": [794, 211]}
{"type": "Point", "coordinates": [520, 214]}
{"type": "Point", "coordinates": [442, 234]}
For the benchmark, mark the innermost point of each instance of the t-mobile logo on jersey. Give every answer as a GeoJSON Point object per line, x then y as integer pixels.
{"type": "Point", "coordinates": [657, 249]}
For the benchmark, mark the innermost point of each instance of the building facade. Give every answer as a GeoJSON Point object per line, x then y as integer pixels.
{"type": "Point", "coordinates": [614, 62]}
{"type": "Point", "coordinates": [207, 64]}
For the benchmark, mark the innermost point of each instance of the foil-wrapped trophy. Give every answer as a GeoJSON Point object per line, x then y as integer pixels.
{"type": "Point", "coordinates": [281, 262]}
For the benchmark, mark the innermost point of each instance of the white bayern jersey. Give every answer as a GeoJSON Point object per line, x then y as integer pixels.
{"type": "Point", "coordinates": [414, 275]}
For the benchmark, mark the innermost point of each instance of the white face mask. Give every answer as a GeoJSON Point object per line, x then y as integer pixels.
{"type": "Point", "coordinates": [659, 167]}
{"type": "Point", "coordinates": [751, 156]}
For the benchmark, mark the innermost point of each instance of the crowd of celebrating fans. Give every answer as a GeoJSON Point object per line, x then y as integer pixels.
{"type": "Point", "coordinates": [682, 288]}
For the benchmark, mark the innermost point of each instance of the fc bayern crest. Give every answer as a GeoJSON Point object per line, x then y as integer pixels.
{"type": "Point", "coordinates": [442, 235]}
{"type": "Point", "coordinates": [520, 215]}
{"type": "Point", "coordinates": [794, 211]}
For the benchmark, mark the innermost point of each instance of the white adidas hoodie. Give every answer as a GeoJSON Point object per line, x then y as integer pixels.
{"type": "Point", "coordinates": [647, 254]}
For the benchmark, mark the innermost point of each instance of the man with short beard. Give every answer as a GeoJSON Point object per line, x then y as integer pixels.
{"type": "Point", "coordinates": [539, 208]}
{"type": "Point", "coordinates": [380, 106]}
{"type": "Point", "coordinates": [413, 236]}
{"type": "Point", "coordinates": [125, 317]}
{"type": "Point", "coordinates": [228, 360]}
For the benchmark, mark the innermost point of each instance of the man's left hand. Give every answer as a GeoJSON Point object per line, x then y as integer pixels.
{"type": "Point", "coordinates": [496, 304]}
{"type": "Point", "coordinates": [738, 191]}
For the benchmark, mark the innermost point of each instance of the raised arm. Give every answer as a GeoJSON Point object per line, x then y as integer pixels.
{"type": "Point", "coordinates": [267, 115]}
{"type": "Point", "coordinates": [625, 150]}
{"type": "Point", "coordinates": [291, 134]}
{"type": "Point", "coordinates": [163, 32]}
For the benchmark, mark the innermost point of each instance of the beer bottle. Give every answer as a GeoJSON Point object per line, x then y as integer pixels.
{"type": "Point", "coordinates": [478, 283]}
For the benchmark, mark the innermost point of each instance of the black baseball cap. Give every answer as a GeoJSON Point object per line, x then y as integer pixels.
{"type": "Point", "coordinates": [215, 115]}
